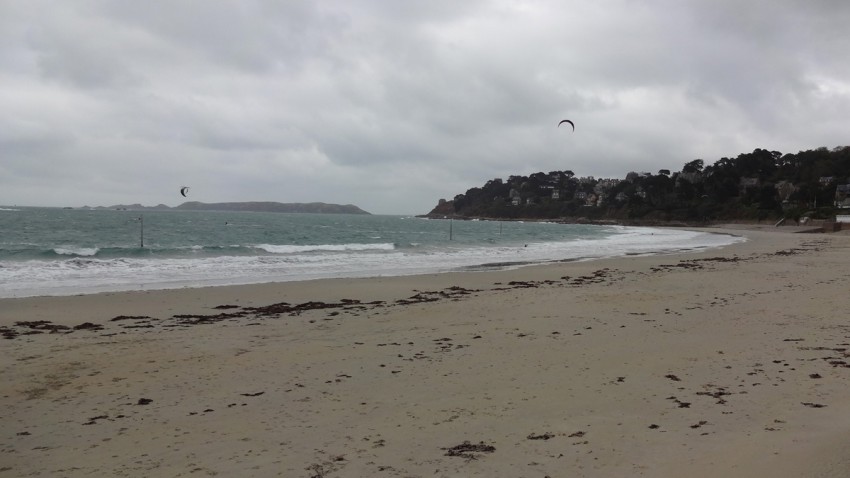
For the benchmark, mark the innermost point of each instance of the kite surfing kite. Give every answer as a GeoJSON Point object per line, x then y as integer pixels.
{"type": "Point", "coordinates": [184, 190]}
{"type": "Point", "coordinates": [567, 121]}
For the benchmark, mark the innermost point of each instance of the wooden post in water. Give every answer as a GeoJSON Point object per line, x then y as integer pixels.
{"type": "Point", "coordinates": [451, 222]}
{"type": "Point", "coordinates": [141, 231]}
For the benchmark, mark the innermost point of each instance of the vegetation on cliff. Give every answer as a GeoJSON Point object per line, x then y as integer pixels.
{"type": "Point", "coordinates": [753, 186]}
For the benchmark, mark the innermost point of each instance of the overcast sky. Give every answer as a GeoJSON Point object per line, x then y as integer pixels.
{"type": "Point", "coordinates": [392, 105]}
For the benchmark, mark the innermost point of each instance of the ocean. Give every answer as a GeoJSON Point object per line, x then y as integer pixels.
{"type": "Point", "coordinates": [53, 251]}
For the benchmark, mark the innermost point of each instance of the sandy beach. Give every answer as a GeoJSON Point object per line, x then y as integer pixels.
{"type": "Point", "coordinates": [730, 362]}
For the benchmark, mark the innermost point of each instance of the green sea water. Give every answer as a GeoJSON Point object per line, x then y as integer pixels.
{"type": "Point", "coordinates": [49, 251]}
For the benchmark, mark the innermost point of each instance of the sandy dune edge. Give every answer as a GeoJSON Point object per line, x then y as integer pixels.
{"type": "Point", "coordinates": [719, 363]}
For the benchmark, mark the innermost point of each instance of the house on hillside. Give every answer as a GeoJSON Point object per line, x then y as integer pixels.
{"type": "Point", "coordinates": [785, 189]}
{"type": "Point", "coordinates": [515, 197]}
{"type": "Point", "coordinates": [748, 183]}
{"type": "Point", "coordinates": [605, 185]}
{"type": "Point", "coordinates": [842, 196]}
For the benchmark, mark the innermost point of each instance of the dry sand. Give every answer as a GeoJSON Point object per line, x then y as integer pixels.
{"type": "Point", "coordinates": [729, 362]}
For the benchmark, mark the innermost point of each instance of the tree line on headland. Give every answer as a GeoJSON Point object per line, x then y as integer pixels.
{"type": "Point", "coordinates": [761, 185]}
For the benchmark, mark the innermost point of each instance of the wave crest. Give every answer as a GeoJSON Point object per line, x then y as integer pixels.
{"type": "Point", "coordinates": [76, 251]}
{"type": "Point", "coordinates": [292, 249]}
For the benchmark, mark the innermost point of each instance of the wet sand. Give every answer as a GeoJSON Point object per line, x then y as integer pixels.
{"type": "Point", "coordinates": [730, 362]}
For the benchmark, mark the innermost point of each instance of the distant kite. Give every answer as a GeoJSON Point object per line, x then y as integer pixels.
{"type": "Point", "coordinates": [184, 190]}
{"type": "Point", "coordinates": [567, 121]}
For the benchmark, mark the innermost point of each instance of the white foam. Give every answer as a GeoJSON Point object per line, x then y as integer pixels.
{"type": "Point", "coordinates": [76, 251]}
{"type": "Point", "coordinates": [292, 249]}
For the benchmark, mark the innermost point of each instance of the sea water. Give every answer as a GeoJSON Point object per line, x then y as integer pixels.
{"type": "Point", "coordinates": [52, 251]}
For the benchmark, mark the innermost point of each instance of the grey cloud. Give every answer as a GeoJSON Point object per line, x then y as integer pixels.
{"type": "Point", "coordinates": [393, 105]}
{"type": "Point", "coordinates": [254, 36]}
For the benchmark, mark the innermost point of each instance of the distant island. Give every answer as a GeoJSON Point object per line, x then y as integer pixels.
{"type": "Point", "coordinates": [252, 206]}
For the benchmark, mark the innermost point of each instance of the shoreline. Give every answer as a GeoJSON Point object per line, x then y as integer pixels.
{"type": "Point", "coordinates": [441, 265]}
{"type": "Point", "coordinates": [724, 362]}
{"type": "Point", "coordinates": [147, 276]}
{"type": "Point", "coordinates": [255, 294]}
